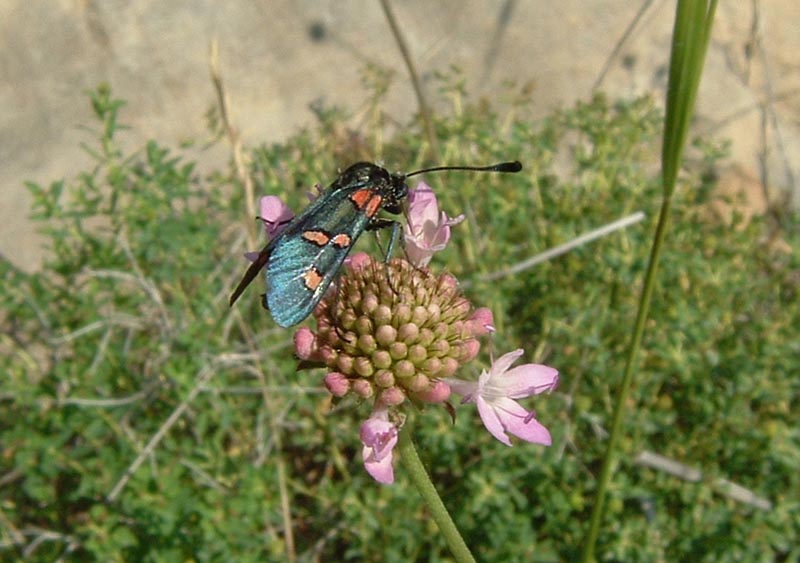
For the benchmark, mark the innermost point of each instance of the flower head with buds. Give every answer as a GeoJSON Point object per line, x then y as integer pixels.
{"type": "Point", "coordinates": [393, 332]}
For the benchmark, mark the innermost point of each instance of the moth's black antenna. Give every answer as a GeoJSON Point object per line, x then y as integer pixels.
{"type": "Point", "coordinates": [515, 166]}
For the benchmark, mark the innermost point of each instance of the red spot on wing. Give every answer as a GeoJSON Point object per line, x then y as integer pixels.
{"type": "Point", "coordinates": [316, 237]}
{"type": "Point", "coordinates": [342, 240]}
{"type": "Point", "coordinates": [373, 205]}
{"type": "Point", "coordinates": [361, 198]}
{"type": "Point", "coordinates": [367, 201]}
{"type": "Point", "coordinates": [312, 278]}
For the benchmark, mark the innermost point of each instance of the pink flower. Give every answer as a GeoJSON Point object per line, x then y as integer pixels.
{"type": "Point", "coordinates": [275, 214]}
{"type": "Point", "coordinates": [427, 230]}
{"type": "Point", "coordinates": [379, 437]}
{"type": "Point", "coordinates": [495, 393]}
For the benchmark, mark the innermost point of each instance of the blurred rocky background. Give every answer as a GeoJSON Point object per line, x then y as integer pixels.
{"type": "Point", "coordinates": [278, 57]}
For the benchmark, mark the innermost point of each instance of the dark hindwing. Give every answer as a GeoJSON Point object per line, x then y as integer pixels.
{"type": "Point", "coordinates": [307, 255]}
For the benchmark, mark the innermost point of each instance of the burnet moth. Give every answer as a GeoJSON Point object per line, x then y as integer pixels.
{"type": "Point", "coordinates": [302, 260]}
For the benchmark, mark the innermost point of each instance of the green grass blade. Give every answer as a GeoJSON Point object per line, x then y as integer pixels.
{"type": "Point", "coordinates": [689, 43]}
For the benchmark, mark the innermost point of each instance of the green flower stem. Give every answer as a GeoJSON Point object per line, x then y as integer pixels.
{"type": "Point", "coordinates": [689, 44]}
{"type": "Point", "coordinates": [416, 470]}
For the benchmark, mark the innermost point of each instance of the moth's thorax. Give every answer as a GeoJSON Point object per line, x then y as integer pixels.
{"type": "Point", "coordinates": [362, 174]}
{"type": "Point", "coordinates": [391, 188]}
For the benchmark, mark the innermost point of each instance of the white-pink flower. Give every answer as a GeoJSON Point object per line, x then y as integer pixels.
{"type": "Point", "coordinates": [495, 393]}
{"type": "Point", "coordinates": [427, 230]}
{"type": "Point", "coordinates": [379, 437]}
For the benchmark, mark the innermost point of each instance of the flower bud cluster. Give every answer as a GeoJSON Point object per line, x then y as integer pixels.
{"type": "Point", "coordinates": [393, 332]}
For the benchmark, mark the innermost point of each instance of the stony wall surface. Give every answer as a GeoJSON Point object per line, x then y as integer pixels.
{"type": "Point", "coordinates": [279, 56]}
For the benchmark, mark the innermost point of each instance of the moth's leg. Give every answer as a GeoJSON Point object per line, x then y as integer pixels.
{"type": "Point", "coordinates": [376, 225]}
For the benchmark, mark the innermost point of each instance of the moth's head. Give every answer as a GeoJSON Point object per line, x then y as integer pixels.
{"type": "Point", "coordinates": [394, 194]}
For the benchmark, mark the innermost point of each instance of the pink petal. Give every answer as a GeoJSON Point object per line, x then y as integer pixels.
{"type": "Point", "coordinates": [379, 436]}
{"type": "Point", "coordinates": [529, 379]}
{"type": "Point", "coordinates": [380, 470]}
{"type": "Point", "coordinates": [492, 421]}
{"type": "Point", "coordinates": [417, 255]}
{"type": "Point", "coordinates": [422, 205]}
{"type": "Point", "coordinates": [504, 362]}
{"type": "Point", "coordinates": [521, 423]}
{"type": "Point", "coordinates": [275, 214]}
{"type": "Point", "coordinates": [462, 387]}
{"type": "Point", "coordinates": [436, 235]}
{"type": "Point", "coordinates": [424, 215]}
{"type": "Point", "coordinates": [533, 431]}
{"type": "Point", "coordinates": [422, 208]}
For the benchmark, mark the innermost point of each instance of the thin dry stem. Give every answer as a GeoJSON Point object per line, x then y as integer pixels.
{"type": "Point", "coordinates": [424, 108]}
{"type": "Point", "coordinates": [622, 42]}
{"type": "Point", "coordinates": [564, 248]}
{"type": "Point", "coordinates": [693, 475]}
{"type": "Point", "coordinates": [103, 403]}
{"type": "Point", "coordinates": [235, 140]}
